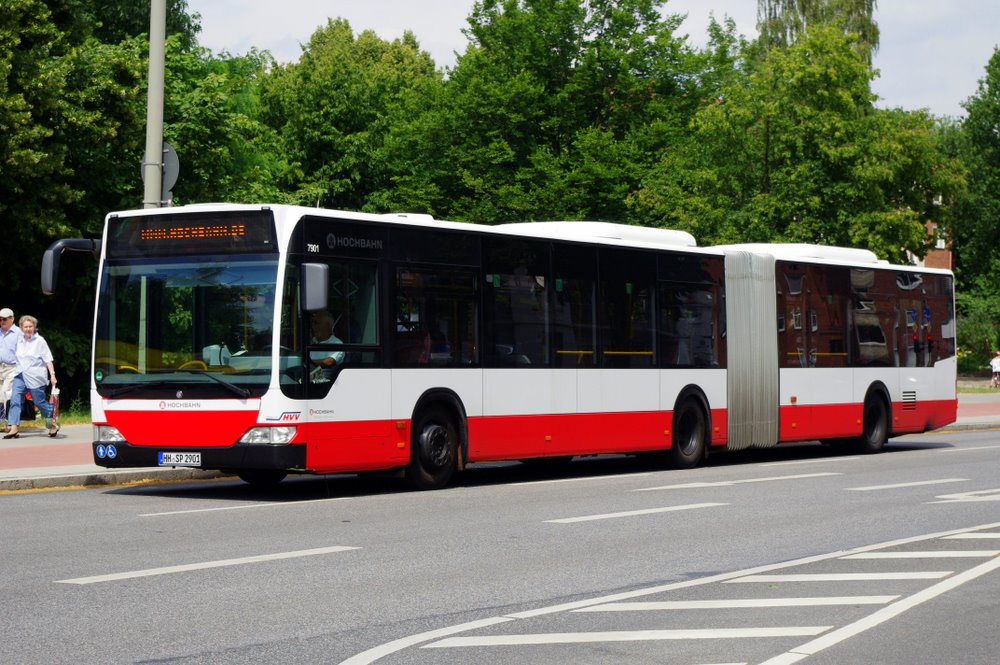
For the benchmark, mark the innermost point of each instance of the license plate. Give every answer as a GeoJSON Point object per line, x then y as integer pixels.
{"type": "Point", "coordinates": [180, 459]}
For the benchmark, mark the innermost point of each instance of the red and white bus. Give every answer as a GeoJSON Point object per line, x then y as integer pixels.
{"type": "Point", "coordinates": [457, 343]}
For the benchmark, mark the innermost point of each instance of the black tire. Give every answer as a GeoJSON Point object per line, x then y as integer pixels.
{"type": "Point", "coordinates": [874, 424]}
{"type": "Point", "coordinates": [262, 477]}
{"type": "Point", "coordinates": [690, 435]}
{"type": "Point", "coordinates": [434, 450]}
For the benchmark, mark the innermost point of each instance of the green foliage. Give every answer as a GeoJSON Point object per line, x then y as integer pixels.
{"type": "Point", "coordinates": [978, 211]}
{"type": "Point", "coordinates": [212, 118]}
{"type": "Point", "coordinates": [334, 109]}
{"type": "Point", "coordinates": [119, 20]}
{"type": "Point", "coordinates": [795, 152]}
{"type": "Point", "coordinates": [976, 225]}
{"type": "Point", "coordinates": [556, 106]}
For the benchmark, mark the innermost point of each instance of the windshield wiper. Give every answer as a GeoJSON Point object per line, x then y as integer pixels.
{"type": "Point", "coordinates": [242, 392]}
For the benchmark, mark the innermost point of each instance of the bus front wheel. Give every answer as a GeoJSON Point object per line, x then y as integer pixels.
{"type": "Point", "coordinates": [262, 477]}
{"type": "Point", "coordinates": [434, 454]}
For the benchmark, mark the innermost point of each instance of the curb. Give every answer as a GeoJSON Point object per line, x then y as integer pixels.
{"type": "Point", "coordinates": [106, 478]}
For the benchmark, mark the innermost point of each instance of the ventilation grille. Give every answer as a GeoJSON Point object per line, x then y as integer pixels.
{"type": "Point", "coordinates": [909, 400]}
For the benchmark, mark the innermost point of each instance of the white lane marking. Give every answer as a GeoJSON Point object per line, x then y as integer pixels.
{"type": "Point", "coordinates": [577, 480]}
{"type": "Point", "coordinates": [964, 450]}
{"type": "Point", "coordinates": [169, 570]}
{"type": "Point", "coordinates": [727, 483]}
{"type": "Point", "coordinates": [843, 577]}
{"type": "Point", "coordinates": [941, 481]}
{"type": "Point", "coordinates": [979, 495]}
{"type": "Point", "coordinates": [933, 554]}
{"type": "Point", "coordinates": [882, 615]}
{"type": "Point", "coordinates": [822, 460]}
{"type": "Point", "coordinates": [383, 650]}
{"type": "Point", "coordinates": [243, 507]}
{"type": "Point", "coordinates": [371, 655]}
{"type": "Point", "coordinates": [625, 636]}
{"type": "Point", "coordinates": [634, 513]}
{"type": "Point", "coordinates": [973, 536]}
{"type": "Point", "coordinates": [738, 603]}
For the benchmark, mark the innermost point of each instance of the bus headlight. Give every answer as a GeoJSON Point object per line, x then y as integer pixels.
{"type": "Point", "coordinates": [107, 434]}
{"type": "Point", "coordinates": [274, 436]}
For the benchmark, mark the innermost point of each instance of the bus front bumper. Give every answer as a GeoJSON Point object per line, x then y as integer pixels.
{"type": "Point", "coordinates": [287, 457]}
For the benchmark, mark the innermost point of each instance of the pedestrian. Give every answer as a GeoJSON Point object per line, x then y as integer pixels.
{"type": "Point", "coordinates": [9, 334]}
{"type": "Point", "coordinates": [995, 368]}
{"type": "Point", "coordinates": [34, 369]}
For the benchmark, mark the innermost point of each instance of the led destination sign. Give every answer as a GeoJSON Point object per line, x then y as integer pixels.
{"type": "Point", "coordinates": [189, 232]}
{"type": "Point", "coordinates": [185, 234]}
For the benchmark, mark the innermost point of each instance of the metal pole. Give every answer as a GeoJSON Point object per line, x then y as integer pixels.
{"type": "Point", "coordinates": [152, 165]}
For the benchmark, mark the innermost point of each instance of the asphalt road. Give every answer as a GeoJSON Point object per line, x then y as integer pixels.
{"type": "Point", "coordinates": [798, 554]}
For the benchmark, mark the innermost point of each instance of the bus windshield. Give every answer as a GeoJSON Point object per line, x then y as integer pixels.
{"type": "Point", "coordinates": [186, 327]}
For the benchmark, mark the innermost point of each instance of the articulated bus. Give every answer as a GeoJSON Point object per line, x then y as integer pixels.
{"type": "Point", "coordinates": [269, 340]}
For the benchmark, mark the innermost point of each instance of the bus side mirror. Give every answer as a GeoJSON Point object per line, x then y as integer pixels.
{"type": "Point", "coordinates": [50, 260]}
{"type": "Point", "coordinates": [315, 278]}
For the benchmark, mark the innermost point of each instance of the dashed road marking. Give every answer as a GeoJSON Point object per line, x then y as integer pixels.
{"type": "Point", "coordinates": [273, 504]}
{"type": "Point", "coordinates": [170, 570]}
{"type": "Point", "coordinates": [872, 488]}
{"type": "Point", "coordinates": [727, 483]}
{"type": "Point", "coordinates": [634, 513]}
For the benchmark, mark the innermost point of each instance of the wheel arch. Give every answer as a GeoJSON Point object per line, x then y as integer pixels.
{"type": "Point", "coordinates": [694, 392]}
{"type": "Point", "coordinates": [878, 390]}
{"type": "Point", "coordinates": [450, 401]}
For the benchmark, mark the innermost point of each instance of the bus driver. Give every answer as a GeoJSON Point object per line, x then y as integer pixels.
{"type": "Point", "coordinates": [321, 326]}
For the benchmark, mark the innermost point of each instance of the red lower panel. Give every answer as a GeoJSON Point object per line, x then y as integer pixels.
{"type": "Point", "coordinates": [802, 422]}
{"type": "Point", "coordinates": [832, 421]}
{"type": "Point", "coordinates": [355, 446]}
{"type": "Point", "coordinates": [179, 429]}
{"type": "Point", "coordinates": [495, 438]}
{"type": "Point", "coordinates": [923, 416]}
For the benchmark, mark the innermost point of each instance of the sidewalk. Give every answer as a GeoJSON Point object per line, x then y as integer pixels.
{"type": "Point", "coordinates": [34, 461]}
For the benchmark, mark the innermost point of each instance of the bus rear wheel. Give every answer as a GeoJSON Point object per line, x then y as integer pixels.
{"type": "Point", "coordinates": [875, 425]}
{"type": "Point", "coordinates": [434, 454]}
{"type": "Point", "coordinates": [690, 435]}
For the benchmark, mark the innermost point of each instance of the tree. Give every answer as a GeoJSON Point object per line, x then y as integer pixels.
{"type": "Point", "coordinates": [68, 111]}
{"type": "Point", "coordinates": [782, 22]}
{"type": "Point", "coordinates": [212, 118]}
{"type": "Point", "coordinates": [797, 152]}
{"type": "Point", "coordinates": [335, 107]}
{"type": "Point", "coordinates": [118, 20]}
{"type": "Point", "coordinates": [555, 106]}
{"type": "Point", "coordinates": [975, 238]}
{"type": "Point", "coordinates": [977, 218]}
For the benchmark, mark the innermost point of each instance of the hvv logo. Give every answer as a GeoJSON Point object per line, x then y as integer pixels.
{"type": "Point", "coordinates": [286, 417]}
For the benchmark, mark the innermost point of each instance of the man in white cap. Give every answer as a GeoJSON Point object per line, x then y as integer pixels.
{"type": "Point", "coordinates": [9, 334]}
